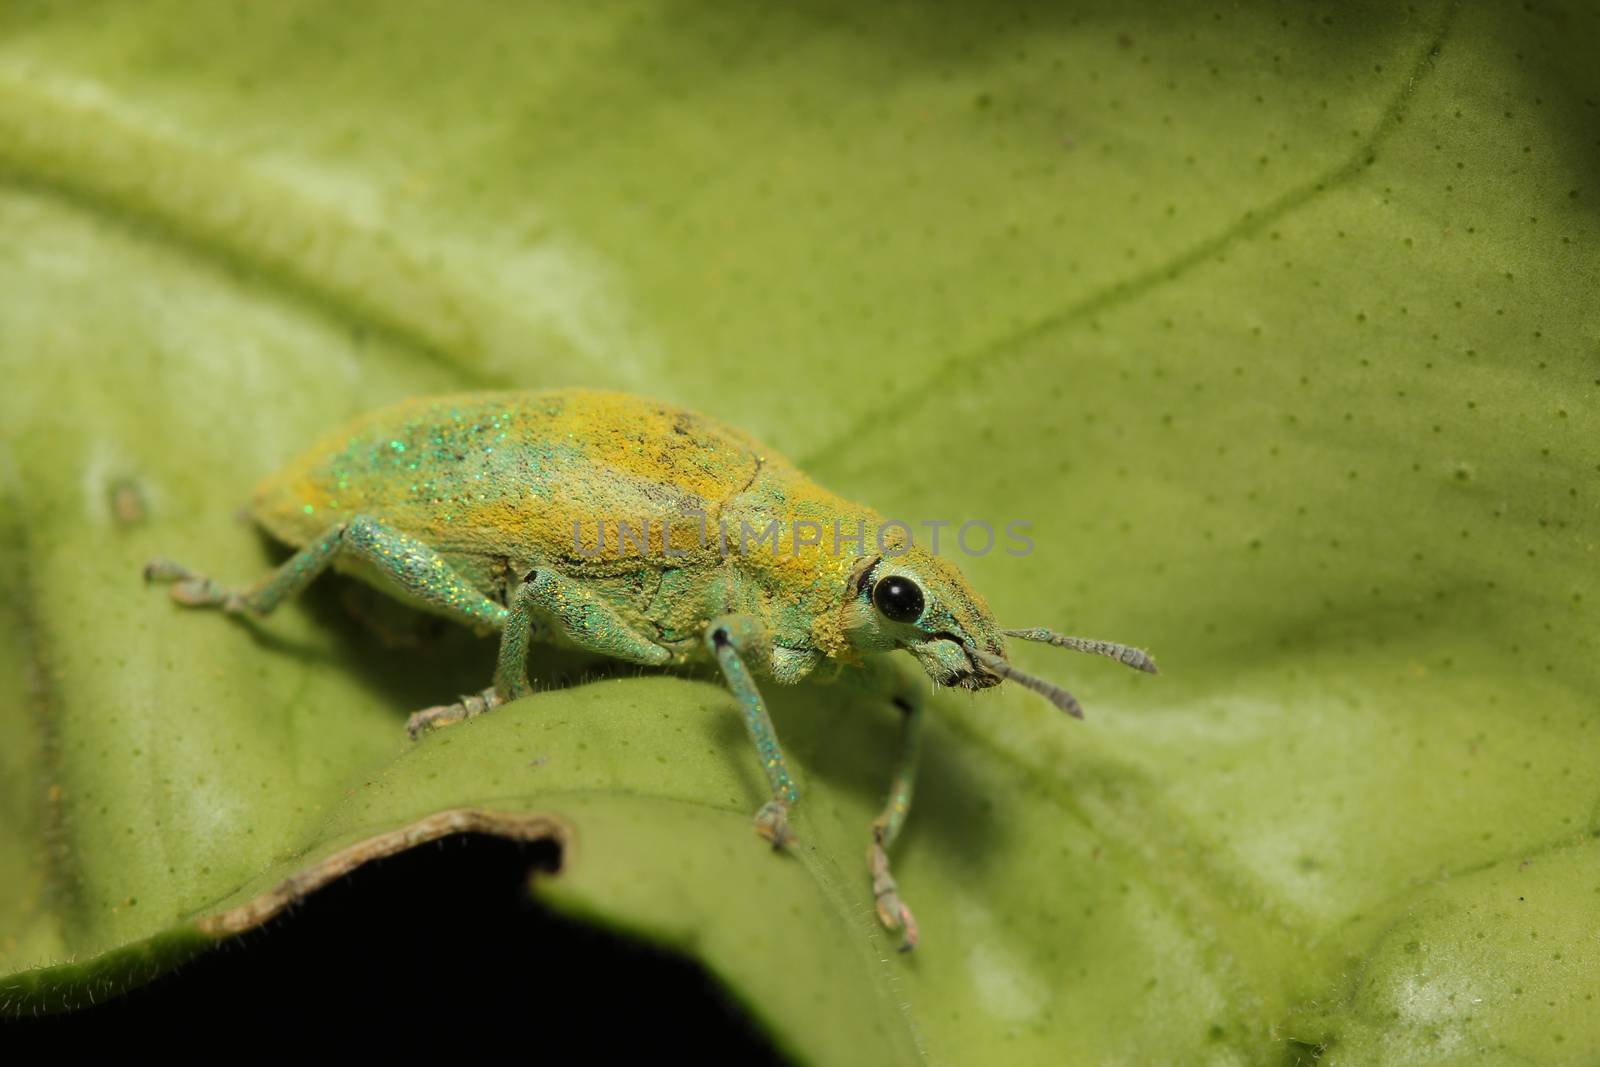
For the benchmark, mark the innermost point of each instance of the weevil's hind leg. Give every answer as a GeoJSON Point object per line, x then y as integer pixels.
{"type": "Point", "coordinates": [727, 637]}
{"type": "Point", "coordinates": [417, 569]}
{"type": "Point", "coordinates": [197, 591]}
{"type": "Point", "coordinates": [550, 603]}
{"type": "Point", "coordinates": [892, 911]}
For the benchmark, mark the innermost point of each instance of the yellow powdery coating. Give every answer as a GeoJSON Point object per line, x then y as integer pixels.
{"type": "Point", "coordinates": [659, 444]}
{"type": "Point", "coordinates": [496, 483]}
{"type": "Point", "coordinates": [508, 474]}
{"type": "Point", "coordinates": [824, 550]}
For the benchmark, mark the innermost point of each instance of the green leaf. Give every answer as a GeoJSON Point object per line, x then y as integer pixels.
{"type": "Point", "coordinates": [1278, 324]}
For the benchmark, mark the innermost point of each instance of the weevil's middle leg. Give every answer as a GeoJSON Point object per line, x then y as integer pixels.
{"type": "Point", "coordinates": [546, 602]}
{"type": "Point", "coordinates": [445, 714]}
{"type": "Point", "coordinates": [549, 601]}
{"type": "Point", "coordinates": [726, 637]}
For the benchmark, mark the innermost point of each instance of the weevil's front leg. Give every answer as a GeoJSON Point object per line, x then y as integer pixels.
{"type": "Point", "coordinates": [551, 603]}
{"type": "Point", "coordinates": [731, 638]}
{"type": "Point", "coordinates": [882, 679]}
{"type": "Point", "coordinates": [892, 911]}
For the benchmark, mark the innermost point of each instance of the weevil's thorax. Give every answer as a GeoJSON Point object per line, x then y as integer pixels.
{"type": "Point", "coordinates": [794, 547]}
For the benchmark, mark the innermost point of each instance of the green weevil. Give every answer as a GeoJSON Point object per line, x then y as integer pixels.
{"type": "Point", "coordinates": [476, 507]}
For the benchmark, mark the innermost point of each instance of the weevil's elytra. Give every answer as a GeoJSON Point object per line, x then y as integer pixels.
{"type": "Point", "coordinates": [444, 501]}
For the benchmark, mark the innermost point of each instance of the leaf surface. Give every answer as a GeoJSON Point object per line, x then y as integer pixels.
{"type": "Point", "coordinates": [1276, 324]}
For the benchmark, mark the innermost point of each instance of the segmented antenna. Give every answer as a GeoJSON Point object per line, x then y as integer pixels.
{"type": "Point", "coordinates": [1127, 655]}
{"type": "Point", "coordinates": [1050, 691]}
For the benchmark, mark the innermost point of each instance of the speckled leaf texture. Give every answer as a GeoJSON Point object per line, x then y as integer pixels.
{"type": "Point", "coordinates": [1279, 322]}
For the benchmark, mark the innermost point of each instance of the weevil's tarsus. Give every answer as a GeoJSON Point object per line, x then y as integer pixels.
{"type": "Point", "coordinates": [190, 589]}
{"type": "Point", "coordinates": [1049, 690]}
{"type": "Point", "coordinates": [729, 638]}
{"type": "Point", "coordinates": [446, 714]}
{"type": "Point", "coordinates": [772, 823]}
{"type": "Point", "coordinates": [1127, 655]}
{"type": "Point", "coordinates": [892, 911]}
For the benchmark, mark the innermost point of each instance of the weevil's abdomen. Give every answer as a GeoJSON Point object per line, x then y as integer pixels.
{"type": "Point", "coordinates": [504, 476]}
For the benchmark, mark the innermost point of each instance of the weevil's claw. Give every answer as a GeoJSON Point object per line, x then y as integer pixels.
{"type": "Point", "coordinates": [193, 590]}
{"type": "Point", "coordinates": [441, 715]}
{"type": "Point", "coordinates": [198, 592]}
{"type": "Point", "coordinates": [427, 718]}
{"type": "Point", "coordinates": [772, 823]}
{"type": "Point", "coordinates": [892, 911]}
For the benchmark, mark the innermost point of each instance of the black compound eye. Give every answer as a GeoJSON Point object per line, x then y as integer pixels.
{"type": "Point", "coordinates": [898, 598]}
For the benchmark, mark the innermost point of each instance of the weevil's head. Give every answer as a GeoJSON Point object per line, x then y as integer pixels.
{"type": "Point", "coordinates": [920, 602]}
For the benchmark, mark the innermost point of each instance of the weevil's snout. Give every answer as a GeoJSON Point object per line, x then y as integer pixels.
{"type": "Point", "coordinates": [975, 680]}
{"type": "Point", "coordinates": [947, 663]}
{"type": "Point", "coordinates": [972, 644]}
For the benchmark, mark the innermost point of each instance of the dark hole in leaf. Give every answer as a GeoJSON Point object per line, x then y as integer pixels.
{"type": "Point", "coordinates": [438, 943]}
